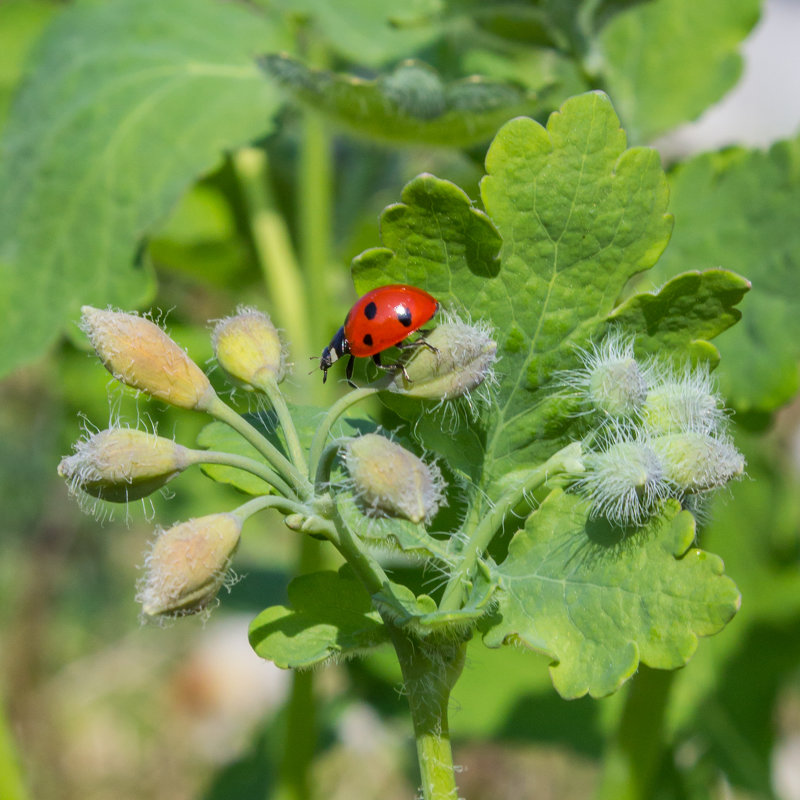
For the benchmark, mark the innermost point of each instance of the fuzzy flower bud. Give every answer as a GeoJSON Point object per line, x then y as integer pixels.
{"type": "Point", "coordinates": [684, 402]}
{"type": "Point", "coordinates": [388, 478]}
{"type": "Point", "coordinates": [610, 379]}
{"type": "Point", "coordinates": [464, 359]}
{"type": "Point", "coordinates": [248, 348]}
{"type": "Point", "coordinates": [624, 482]}
{"type": "Point", "coordinates": [697, 462]}
{"type": "Point", "coordinates": [139, 354]}
{"type": "Point", "coordinates": [121, 464]}
{"type": "Point", "coordinates": [188, 565]}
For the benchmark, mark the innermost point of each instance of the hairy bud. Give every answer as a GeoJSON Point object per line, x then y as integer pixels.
{"type": "Point", "coordinates": [188, 565]}
{"type": "Point", "coordinates": [140, 355]}
{"type": "Point", "coordinates": [684, 402]}
{"type": "Point", "coordinates": [462, 359]}
{"type": "Point", "coordinates": [623, 482]}
{"type": "Point", "coordinates": [697, 462]}
{"type": "Point", "coordinates": [388, 478]}
{"type": "Point", "coordinates": [248, 348]}
{"type": "Point", "coordinates": [121, 464]}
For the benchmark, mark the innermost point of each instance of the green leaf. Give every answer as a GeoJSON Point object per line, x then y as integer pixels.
{"type": "Point", "coordinates": [382, 531]}
{"type": "Point", "coordinates": [219, 436]}
{"type": "Point", "coordinates": [666, 61]}
{"type": "Point", "coordinates": [404, 608]}
{"type": "Point", "coordinates": [330, 614]}
{"type": "Point", "coordinates": [598, 601]}
{"type": "Point", "coordinates": [579, 215]}
{"type": "Point", "coordinates": [127, 104]}
{"type": "Point", "coordinates": [411, 104]}
{"type": "Point", "coordinates": [739, 208]}
{"type": "Point", "coordinates": [686, 312]}
{"type": "Point", "coordinates": [368, 32]}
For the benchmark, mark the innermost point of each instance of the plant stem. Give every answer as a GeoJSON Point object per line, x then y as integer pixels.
{"type": "Point", "coordinates": [334, 412]}
{"type": "Point", "coordinates": [246, 510]}
{"type": "Point", "coordinates": [479, 539]}
{"type": "Point", "coordinates": [632, 761]}
{"type": "Point", "coordinates": [244, 463]}
{"type": "Point", "coordinates": [273, 245]}
{"type": "Point", "coordinates": [226, 414]}
{"type": "Point", "coordinates": [271, 390]}
{"type": "Point", "coordinates": [429, 673]}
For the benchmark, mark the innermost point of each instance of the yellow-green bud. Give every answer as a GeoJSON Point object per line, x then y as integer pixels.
{"type": "Point", "coordinates": [248, 348]}
{"type": "Point", "coordinates": [188, 565]}
{"type": "Point", "coordinates": [464, 359]}
{"type": "Point", "coordinates": [684, 402]}
{"type": "Point", "coordinates": [618, 388]}
{"type": "Point", "coordinates": [388, 478]}
{"type": "Point", "coordinates": [139, 354]}
{"type": "Point", "coordinates": [697, 462]}
{"type": "Point", "coordinates": [121, 464]}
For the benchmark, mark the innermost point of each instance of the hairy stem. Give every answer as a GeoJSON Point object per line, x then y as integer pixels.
{"type": "Point", "coordinates": [270, 388]}
{"type": "Point", "coordinates": [430, 671]}
{"type": "Point", "coordinates": [241, 462]}
{"type": "Point", "coordinates": [334, 412]}
{"type": "Point", "coordinates": [285, 469]}
{"type": "Point", "coordinates": [564, 460]}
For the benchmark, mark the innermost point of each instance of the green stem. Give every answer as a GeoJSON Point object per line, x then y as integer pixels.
{"type": "Point", "coordinates": [241, 462]}
{"type": "Point", "coordinates": [479, 539]}
{"type": "Point", "coordinates": [429, 674]}
{"type": "Point", "coordinates": [334, 412]}
{"type": "Point", "coordinates": [270, 388]}
{"type": "Point", "coordinates": [286, 469]}
{"type": "Point", "coordinates": [632, 762]}
{"type": "Point", "coordinates": [246, 510]}
{"type": "Point", "coordinates": [273, 245]}
{"type": "Point", "coordinates": [12, 786]}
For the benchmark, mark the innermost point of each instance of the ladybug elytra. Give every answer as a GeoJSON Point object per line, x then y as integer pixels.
{"type": "Point", "coordinates": [380, 319]}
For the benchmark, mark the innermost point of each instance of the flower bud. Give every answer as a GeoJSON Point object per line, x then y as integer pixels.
{"type": "Point", "coordinates": [388, 478]}
{"type": "Point", "coordinates": [624, 482]}
{"type": "Point", "coordinates": [697, 462]}
{"type": "Point", "coordinates": [121, 464]}
{"type": "Point", "coordinates": [188, 565]}
{"type": "Point", "coordinates": [682, 403]}
{"type": "Point", "coordinates": [139, 354]}
{"type": "Point", "coordinates": [248, 348]}
{"type": "Point", "coordinates": [610, 380]}
{"type": "Point", "coordinates": [464, 359]}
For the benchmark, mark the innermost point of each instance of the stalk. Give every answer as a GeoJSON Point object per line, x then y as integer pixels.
{"type": "Point", "coordinates": [244, 463]}
{"type": "Point", "coordinates": [632, 761]}
{"type": "Point", "coordinates": [271, 390]}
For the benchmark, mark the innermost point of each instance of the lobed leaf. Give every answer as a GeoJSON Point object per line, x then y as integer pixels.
{"type": "Point", "coordinates": [410, 104]}
{"type": "Point", "coordinates": [598, 601]}
{"type": "Point", "coordinates": [329, 614]}
{"type": "Point", "coordinates": [127, 103]}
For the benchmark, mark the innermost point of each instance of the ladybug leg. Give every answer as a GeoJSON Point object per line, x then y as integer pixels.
{"type": "Point", "coordinates": [421, 342]}
{"type": "Point", "coordinates": [348, 372]}
{"type": "Point", "coordinates": [398, 367]}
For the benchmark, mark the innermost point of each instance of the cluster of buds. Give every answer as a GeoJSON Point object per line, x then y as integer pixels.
{"type": "Point", "coordinates": [662, 433]}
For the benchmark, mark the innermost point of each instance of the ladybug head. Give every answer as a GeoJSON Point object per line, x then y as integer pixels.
{"type": "Point", "coordinates": [334, 351]}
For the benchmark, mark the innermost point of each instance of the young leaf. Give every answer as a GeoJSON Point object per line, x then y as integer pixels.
{"type": "Point", "coordinates": [411, 104]}
{"type": "Point", "coordinates": [684, 313]}
{"type": "Point", "coordinates": [598, 601]}
{"type": "Point", "coordinates": [739, 208]}
{"type": "Point", "coordinates": [127, 103]}
{"type": "Point", "coordinates": [330, 614]}
{"type": "Point", "coordinates": [664, 62]}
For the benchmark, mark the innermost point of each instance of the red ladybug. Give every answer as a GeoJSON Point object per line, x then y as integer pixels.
{"type": "Point", "coordinates": [379, 320]}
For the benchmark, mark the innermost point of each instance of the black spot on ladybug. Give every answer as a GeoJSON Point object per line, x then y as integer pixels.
{"type": "Point", "coordinates": [370, 310]}
{"type": "Point", "coordinates": [403, 316]}
{"type": "Point", "coordinates": [368, 338]}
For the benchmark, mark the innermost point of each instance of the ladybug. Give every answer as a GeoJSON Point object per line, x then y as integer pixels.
{"type": "Point", "coordinates": [380, 319]}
